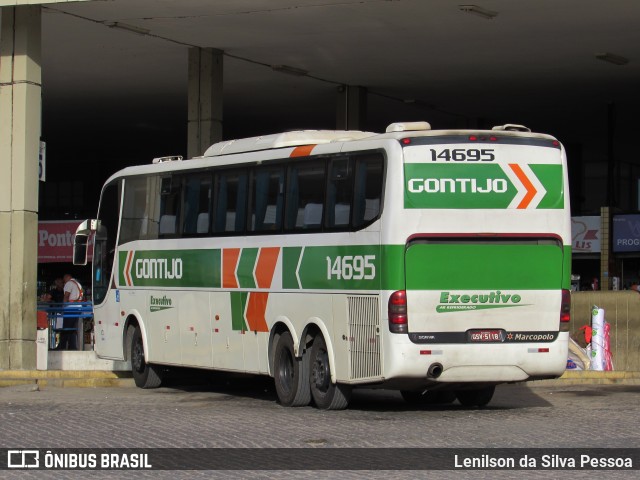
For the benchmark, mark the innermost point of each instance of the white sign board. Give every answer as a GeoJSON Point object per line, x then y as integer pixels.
{"type": "Point", "coordinates": [585, 234]}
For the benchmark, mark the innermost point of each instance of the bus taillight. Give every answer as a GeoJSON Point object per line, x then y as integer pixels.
{"type": "Point", "coordinates": [565, 311]}
{"type": "Point", "coordinates": [398, 312]}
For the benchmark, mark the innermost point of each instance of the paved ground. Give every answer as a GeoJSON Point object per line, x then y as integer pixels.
{"type": "Point", "coordinates": [243, 413]}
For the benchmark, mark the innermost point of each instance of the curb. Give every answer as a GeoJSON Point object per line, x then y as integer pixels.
{"type": "Point", "coordinates": [102, 378]}
{"type": "Point", "coordinates": [589, 377]}
{"type": "Point", "coordinates": [66, 378]}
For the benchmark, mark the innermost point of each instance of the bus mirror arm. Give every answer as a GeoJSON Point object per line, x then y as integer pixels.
{"type": "Point", "coordinates": [88, 226]}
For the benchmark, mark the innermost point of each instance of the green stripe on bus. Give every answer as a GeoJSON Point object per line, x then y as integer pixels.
{"type": "Point", "coordinates": [238, 302]}
{"type": "Point", "coordinates": [362, 267]}
{"type": "Point", "coordinates": [474, 186]}
{"type": "Point", "coordinates": [337, 267]}
{"type": "Point", "coordinates": [246, 265]}
{"type": "Point", "coordinates": [290, 258]}
{"type": "Point", "coordinates": [551, 177]}
{"type": "Point", "coordinates": [389, 266]}
{"type": "Point", "coordinates": [392, 271]}
{"type": "Point", "coordinates": [122, 259]}
{"type": "Point", "coordinates": [457, 186]}
{"type": "Point", "coordinates": [484, 267]}
{"type": "Point", "coordinates": [172, 268]}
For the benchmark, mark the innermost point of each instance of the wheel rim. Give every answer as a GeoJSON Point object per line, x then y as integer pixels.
{"type": "Point", "coordinates": [320, 371]}
{"type": "Point", "coordinates": [137, 357]}
{"type": "Point", "coordinates": [285, 373]}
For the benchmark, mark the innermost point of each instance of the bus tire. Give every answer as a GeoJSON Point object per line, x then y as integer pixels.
{"type": "Point", "coordinates": [477, 397]}
{"type": "Point", "coordinates": [291, 375]}
{"type": "Point", "coordinates": [145, 375]}
{"type": "Point", "coordinates": [326, 395]}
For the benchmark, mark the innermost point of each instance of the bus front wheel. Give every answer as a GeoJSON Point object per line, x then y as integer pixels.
{"type": "Point", "coordinates": [144, 374]}
{"type": "Point", "coordinates": [326, 395]}
{"type": "Point", "coordinates": [290, 374]}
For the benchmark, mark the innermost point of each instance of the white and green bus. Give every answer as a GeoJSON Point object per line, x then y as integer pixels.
{"type": "Point", "coordinates": [436, 263]}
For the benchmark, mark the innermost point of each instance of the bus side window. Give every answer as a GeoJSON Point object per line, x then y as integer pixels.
{"type": "Point", "coordinates": [138, 219]}
{"type": "Point", "coordinates": [339, 193]}
{"type": "Point", "coordinates": [230, 204]}
{"type": "Point", "coordinates": [151, 203]}
{"type": "Point", "coordinates": [305, 193]}
{"type": "Point", "coordinates": [195, 204]}
{"type": "Point", "coordinates": [371, 209]}
{"type": "Point", "coordinates": [169, 206]}
{"type": "Point", "coordinates": [368, 189]}
{"type": "Point", "coordinates": [267, 199]}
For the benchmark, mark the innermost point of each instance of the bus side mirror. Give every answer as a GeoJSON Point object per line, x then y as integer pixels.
{"type": "Point", "coordinates": [88, 226]}
{"type": "Point", "coordinates": [81, 240]}
{"type": "Point", "coordinates": [80, 244]}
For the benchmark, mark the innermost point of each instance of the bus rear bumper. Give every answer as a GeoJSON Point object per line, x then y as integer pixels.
{"type": "Point", "coordinates": [483, 373]}
{"type": "Point", "coordinates": [494, 363]}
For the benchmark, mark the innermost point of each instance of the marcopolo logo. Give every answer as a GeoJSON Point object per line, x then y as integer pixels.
{"type": "Point", "coordinates": [454, 302]}
{"type": "Point", "coordinates": [157, 304]}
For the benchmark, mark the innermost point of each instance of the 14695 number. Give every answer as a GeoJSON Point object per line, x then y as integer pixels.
{"type": "Point", "coordinates": [351, 267]}
{"type": "Point", "coordinates": [463, 155]}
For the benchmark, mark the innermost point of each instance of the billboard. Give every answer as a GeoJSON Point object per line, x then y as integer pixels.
{"type": "Point", "coordinates": [55, 241]}
{"type": "Point", "coordinates": [626, 233]}
{"type": "Point", "coordinates": [585, 234]}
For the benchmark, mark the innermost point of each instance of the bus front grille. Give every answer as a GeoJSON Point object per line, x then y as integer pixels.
{"type": "Point", "coordinates": [364, 337]}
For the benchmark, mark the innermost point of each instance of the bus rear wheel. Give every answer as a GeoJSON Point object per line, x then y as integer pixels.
{"type": "Point", "coordinates": [326, 395]}
{"type": "Point", "coordinates": [291, 375]}
{"type": "Point", "coordinates": [144, 374]}
{"type": "Point", "coordinates": [476, 397]}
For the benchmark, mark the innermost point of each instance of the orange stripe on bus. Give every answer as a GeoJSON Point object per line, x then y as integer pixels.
{"type": "Point", "coordinates": [229, 261]}
{"type": "Point", "coordinates": [256, 308]}
{"type": "Point", "coordinates": [127, 270]}
{"type": "Point", "coordinates": [266, 266]}
{"type": "Point", "coordinates": [531, 190]}
{"type": "Point", "coordinates": [302, 151]}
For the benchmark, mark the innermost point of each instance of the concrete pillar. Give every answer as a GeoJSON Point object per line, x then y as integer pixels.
{"type": "Point", "coordinates": [205, 99]}
{"type": "Point", "coordinates": [351, 108]}
{"type": "Point", "coordinates": [20, 114]}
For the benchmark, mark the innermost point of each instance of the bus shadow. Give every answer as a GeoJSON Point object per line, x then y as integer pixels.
{"type": "Point", "coordinates": [257, 387]}
{"type": "Point", "coordinates": [260, 387]}
{"type": "Point", "coordinates": [507, 397]}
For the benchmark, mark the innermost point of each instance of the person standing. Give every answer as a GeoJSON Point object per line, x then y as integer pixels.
{"type": "Point", "coordinates": [73, 293]}
{"type": "Point", "coordinates": [57, 292]}
{"type": "Point", "coordinates": [72, 289]}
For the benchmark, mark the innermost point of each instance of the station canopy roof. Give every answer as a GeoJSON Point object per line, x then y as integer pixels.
{"type": "Point", "coordinates": [540, 63]}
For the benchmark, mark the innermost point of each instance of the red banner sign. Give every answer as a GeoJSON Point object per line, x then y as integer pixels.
{"type": "Point", "coordinates": [55, 241]}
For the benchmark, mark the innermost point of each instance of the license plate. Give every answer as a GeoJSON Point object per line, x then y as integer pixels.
{"type": "Point", "coordinates": [486, 336]}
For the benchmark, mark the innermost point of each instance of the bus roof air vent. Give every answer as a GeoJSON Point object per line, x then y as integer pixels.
{"type": "Point", "coordinates": [408, 127]}
{"type": "Point", "coordinates": [170, 158]}
{"type": "Point", "coordinates": [281, 140]}
{"type": "Point", "coordinates": [511, 127]}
